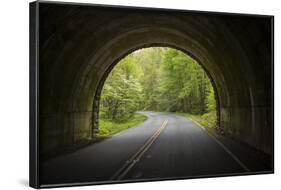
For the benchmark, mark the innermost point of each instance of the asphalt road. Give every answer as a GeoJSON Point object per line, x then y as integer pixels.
{"type": "Point", "coordinates": [164, 146]}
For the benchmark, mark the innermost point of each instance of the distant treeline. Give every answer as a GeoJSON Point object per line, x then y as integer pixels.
{"type": "Point", "coordinates": [156, 79]}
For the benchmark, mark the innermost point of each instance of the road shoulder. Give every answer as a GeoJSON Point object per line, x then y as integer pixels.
{"type": "Point", "coordinates": [253, 159]}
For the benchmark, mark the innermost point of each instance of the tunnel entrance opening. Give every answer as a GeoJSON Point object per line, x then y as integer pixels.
{"type": "Point", "coordinates": [154, 78]}
{"type": "Point", "coordinates": [78, 52]}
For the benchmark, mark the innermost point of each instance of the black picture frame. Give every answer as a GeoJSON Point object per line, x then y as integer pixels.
{"type": "Point", "coordinates": [34, 136]}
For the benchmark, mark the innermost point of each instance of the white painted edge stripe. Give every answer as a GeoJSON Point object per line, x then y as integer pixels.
{"type": "Point", "coordinates": [223, 146]}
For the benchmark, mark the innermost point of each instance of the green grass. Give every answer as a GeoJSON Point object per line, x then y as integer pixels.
{"type": "Point", "coordinates": [109, 128]}
{"type": "Point", "coordinates": [206, 120]}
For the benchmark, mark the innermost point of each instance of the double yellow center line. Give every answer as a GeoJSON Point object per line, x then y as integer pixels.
{"type": "Point", "coordinates": [129, 164]}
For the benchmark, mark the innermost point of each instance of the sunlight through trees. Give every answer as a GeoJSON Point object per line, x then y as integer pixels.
{"type": "Point", "coordinates": [157, 79]}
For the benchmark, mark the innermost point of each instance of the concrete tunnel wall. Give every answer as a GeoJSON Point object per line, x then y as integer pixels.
{"type": "Point", "coordinates": [80, 45]}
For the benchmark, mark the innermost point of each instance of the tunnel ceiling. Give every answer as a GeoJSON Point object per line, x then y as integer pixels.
{"type": "Point", "coordinates": [80, 45]}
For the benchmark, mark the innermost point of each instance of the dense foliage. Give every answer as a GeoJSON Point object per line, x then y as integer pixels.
{"type": "Point", "coordinates": [156, 79]}
{"type": "Point", "coordinates": [122, 91]}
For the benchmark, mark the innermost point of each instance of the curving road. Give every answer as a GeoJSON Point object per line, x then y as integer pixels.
{"type": "Point", "coordinates": [165, 145]}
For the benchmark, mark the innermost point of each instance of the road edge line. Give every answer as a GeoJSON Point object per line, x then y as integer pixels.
{"type": "Point", "coordinates": [222, 145]}
{"type": "Point", "coordinates": [120, 132]}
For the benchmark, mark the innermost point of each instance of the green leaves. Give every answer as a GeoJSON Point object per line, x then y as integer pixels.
{"type": "Point", "coordinates": [122, 90]}
{"type": "Point", "coordinates": [157, 79]}
{"type": "Point", "coordinates": [185, 81]}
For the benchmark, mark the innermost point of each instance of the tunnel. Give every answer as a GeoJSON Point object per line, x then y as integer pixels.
{"type": "Point", "coordinates": [79, 46]}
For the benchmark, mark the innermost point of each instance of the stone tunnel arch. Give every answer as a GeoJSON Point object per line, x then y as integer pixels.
{"type": "Point", "coordinates": [79, 44]}
{"type": "Point", "coordinates": [96, 99]}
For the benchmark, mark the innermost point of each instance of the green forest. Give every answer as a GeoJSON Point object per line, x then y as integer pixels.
{"type": "Point", "coordinates": [155, 79]}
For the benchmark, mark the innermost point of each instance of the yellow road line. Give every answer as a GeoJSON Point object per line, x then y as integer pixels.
{"type": "Point", "coordinates": [121, 173]}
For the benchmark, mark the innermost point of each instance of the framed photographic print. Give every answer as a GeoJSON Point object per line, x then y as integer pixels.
{"type": "Point", "coordinates": [130, 94]}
